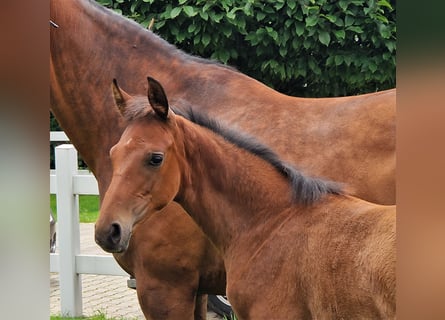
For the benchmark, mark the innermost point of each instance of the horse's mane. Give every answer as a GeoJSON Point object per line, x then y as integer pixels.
{"type": "Point", "coordinates": [122, 21]}
{"type": "Point", "coordinates": [306, 190]}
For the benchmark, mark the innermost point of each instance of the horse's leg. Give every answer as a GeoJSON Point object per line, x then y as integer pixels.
{"type": "Point", "coordinates": [201, 307]}
{"type": "Point", "coordinates": [160, 300]}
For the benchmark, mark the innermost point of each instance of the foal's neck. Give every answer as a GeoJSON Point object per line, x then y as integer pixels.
{"type": "Point", "coordinates": [226, 189]}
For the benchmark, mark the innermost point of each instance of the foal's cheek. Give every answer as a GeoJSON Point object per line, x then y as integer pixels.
{"type": "Point", "coordinates": [166, 187]}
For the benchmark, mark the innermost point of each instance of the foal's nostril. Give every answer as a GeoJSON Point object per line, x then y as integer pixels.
{"type": "Point", "coordinates": [115, 233]}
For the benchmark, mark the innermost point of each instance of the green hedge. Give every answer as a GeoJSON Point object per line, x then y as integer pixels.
{"type": "Point", "coordinates": [299, 47]}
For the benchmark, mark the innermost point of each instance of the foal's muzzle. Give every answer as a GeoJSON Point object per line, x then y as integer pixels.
{"type": "Point", "coordinates": [112, 239]}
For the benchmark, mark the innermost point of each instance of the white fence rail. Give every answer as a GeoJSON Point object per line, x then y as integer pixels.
{"type": "Point", "coordinates": [68, 182]}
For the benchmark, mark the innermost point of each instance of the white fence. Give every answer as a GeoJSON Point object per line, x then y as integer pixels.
{"type": "Point", "coordinates": [68, 182]}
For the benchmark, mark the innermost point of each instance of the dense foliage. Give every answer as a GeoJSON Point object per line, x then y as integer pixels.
{"type": "Point", "coordinates": [299, 47]}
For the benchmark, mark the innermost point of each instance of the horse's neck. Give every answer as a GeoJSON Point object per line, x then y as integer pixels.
{"type": "Point", "coordinates": [126, 51]}
{"type": "Point", "coordinates": [227, 190]}
{"type": "Point", "coordinates": [80, 87]}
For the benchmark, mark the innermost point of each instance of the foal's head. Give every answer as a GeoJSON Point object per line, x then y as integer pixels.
{"type": "Point", "coordinates": [145, 162]}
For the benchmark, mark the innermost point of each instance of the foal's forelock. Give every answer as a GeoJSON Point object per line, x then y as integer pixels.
{"type": "Point", "coordinates": [137, 108]}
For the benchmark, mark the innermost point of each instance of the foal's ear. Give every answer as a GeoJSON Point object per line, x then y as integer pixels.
{"type": "Point", "coordinates": [157, 98]}
{"type": "Point", "coordinates": [120, 97]}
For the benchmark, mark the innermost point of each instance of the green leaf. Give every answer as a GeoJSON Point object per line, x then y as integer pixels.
{"type": "Point", "coordinates": [355, 29]}
{"type": "Point", "coordinates": [343, 4]}
{"type": "Point", "coordinates": [311, 63]}
{"type": "Point", "coordinates": [324, 37]}
{"type": "Point", "coordinates": [313, 9]}
{"type": "Point", "coordinates": [285, 36]}
{"type": "Point", "coordinates": [282, 72]}
{"type": "Point", "coordinates": [175, 12]}
{"type": "Point", "coordinates": [339, 22]}
{"type": "Point", "coordinates": [274, 35]}
{"type": "Point", "coordinates": [299, 28]}
{"type": "Point", "coordinates": [338, 60]}
{"type": "Point", "coordinates": [382, 18]}
{"type": "Point", "coordinates": [207, 6]}
{"type": "Point", "coordinates": [231, 15]}
{"type": "Point", "coordinates": [340, 34]}
{"type": "Point", "coordinates": [348, 60]}
{"type": "Point", "coordinates": [332, 18]}
{"type": "Point", "coordinates": [159, 24]}
{"type": "Point", "coordinates": [384, 31]}
{"type": "Point", "coordinates": [191, 28]}
{"type": "Point", "coordinates": [278, 5]}
{"type": "Point", "coordinates": [372, 66]}
{"type": "Point", "coordinates": [298, 16]}
{"type": "Point", "coordinates": [180, 37]}
{"type": "Point", "coordinates": [216, 17]}
{"type": "Point", "coordinates": [311, 32]}
{"type": "Point", "coordinates": [330, 61]}
{"type": "Point", "coordinates": [273, 64]}
{"type": "Point", "coordinates": [190, 11]}
{"type": "Point", "coordinates": [248, 9]}
{"type": "Point", "coordinates": [234, 53]}
{"type": "Point", "coordinates": [384, 3]}
{"type": "Point", "coordinates": [283, 51]}
{"type": "Point", "coordinates": [223, 56]}
{"type": "Point", "coordinates": [391, 45]}
{"type": "Point", "coordinates": [264, 65]}
{"type": "Point", "coordinates": [311, 21]}
{"type": "Point", "coordinates": [134, 6]}
{"type": "Point", "coordinates": [288, 23]}
{"type": "Point", "coordinates": [182, 1]}
{"type": "Point", "coordinates": [317, 70]}
{"type": "Point", "coordinates": [227, 31]}
{"type": "Point", "coordinates": [367, 10]}
{"type": "Point", "coordinates": [205, 39]}
{"type": "Point", "coordinates": [349, 21]}
{"type": "Point", "coordinates": [296, 43]}
{"type": "Point", "coordinates": [241, 24]}
{"type": "Point", "coordinates": [260, 16]}
{"type": "Point", "coordinates": [253, 39]}
{"type": "Point", "coordinates": [174, 29]}
{"type": "Point", "coordinates": [204, 15]}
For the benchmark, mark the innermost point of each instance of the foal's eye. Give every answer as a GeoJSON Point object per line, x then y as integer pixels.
{"type": "Point", "coordinates": [155, 159]}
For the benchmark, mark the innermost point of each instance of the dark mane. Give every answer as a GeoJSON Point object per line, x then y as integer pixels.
{"type": "Point", "coordinates": [137, 29]}
{"type": "Point", "coordinates": [307, 190]}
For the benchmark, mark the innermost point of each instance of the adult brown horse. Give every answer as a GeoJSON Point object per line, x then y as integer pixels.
{"type": "Point", "coordinates": [174, 273]}
{"type": "Point", "coordinates": [294, 247]}
{"type": "Point", "coordinates": [348, 139]}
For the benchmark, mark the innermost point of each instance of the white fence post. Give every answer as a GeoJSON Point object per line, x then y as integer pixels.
{"type": "Point", "coordinates": [69, 234]}
{"type": "Point", "coordinates": [67, 182]}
